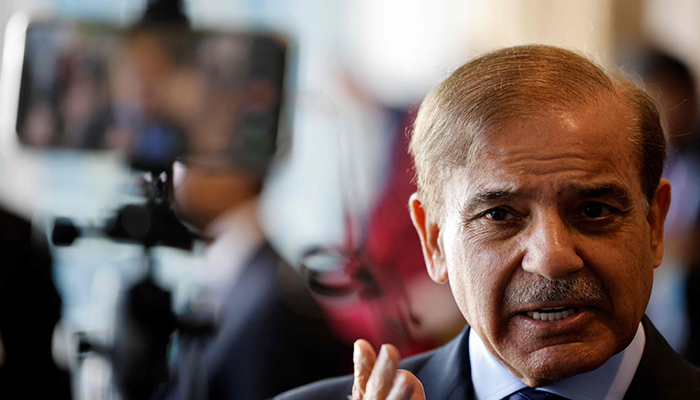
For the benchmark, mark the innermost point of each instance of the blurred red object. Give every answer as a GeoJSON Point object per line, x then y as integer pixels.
{"type": "Point", "coordinates": [399, 304]}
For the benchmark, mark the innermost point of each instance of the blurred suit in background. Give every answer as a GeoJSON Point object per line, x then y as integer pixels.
{"type": "Point", "coordinates": [269, 334]}
{"type": "Point", "coordinates": [30, 306]}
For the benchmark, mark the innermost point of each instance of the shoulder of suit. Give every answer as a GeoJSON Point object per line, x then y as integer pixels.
{"type": "Point", "coordinates": [341, 387]}
{"type": "Point", "coordinates": [327, 389]}
{"type": "Point", "coordinates": [662, 373]}
{"type": "Point", "coordinates": [416, 363]}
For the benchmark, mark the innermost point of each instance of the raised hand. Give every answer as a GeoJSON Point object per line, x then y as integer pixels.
{"type": "Point", "coordinates": [377, 378]}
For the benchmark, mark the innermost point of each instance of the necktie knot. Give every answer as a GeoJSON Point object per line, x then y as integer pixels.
{"type": "Point", "coordinates": [533, 394]}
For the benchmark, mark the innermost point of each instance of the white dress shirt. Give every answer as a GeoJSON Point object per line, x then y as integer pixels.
{"type": "Point", "coordinates": [237, 237]}
{"type": "Point", "coordinates": [492, 381]}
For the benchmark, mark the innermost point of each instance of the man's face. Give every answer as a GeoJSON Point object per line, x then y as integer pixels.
{"type": "Point", "coordinates": [547, 242]}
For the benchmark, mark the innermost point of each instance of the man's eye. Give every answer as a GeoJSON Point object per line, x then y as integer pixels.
{"type": "Point", "coordinates": [498, 214]}
{"type": "Point", "coordinates": [595, 210]}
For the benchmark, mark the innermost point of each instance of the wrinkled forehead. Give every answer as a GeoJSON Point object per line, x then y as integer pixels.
{"type": "Point", "coordinates": [582, 140]}
{"type": "Point", "coordinates": [605, 120]}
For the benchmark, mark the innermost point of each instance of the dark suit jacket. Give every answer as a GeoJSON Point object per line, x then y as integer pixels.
{"type": "Point", "coordinates": [271, 338]}
{"type": "Point", "coordinates": [446, 374]}
{"type": "Point", "coordinates": [30, 306]}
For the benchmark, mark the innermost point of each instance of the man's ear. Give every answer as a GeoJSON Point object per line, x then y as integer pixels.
{"type": "Point", "coordinates": [656, 218]}
{"type": "Point", "coordinates": [429, 233]}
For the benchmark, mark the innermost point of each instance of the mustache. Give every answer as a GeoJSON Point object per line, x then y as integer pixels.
{"type": "Point", "coordinates": [532, 288]}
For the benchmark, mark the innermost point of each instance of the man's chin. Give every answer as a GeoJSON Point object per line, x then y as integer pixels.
{"type": "Point", "coordinates": [559, 362]}
{"type": "Point", "coordinates": [540, 352]}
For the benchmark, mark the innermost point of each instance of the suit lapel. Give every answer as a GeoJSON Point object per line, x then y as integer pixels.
{"type": "Point", "coordinates": [662, 373]}
{"type": "Point", "coordinates": [447, 375]}
{"type": "Point", "coordinates": [242, 302]}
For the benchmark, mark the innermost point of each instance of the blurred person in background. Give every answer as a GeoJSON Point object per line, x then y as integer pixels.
{"type": "Point", "coordinates": [675, 304]}
{"type": "Point", "coordinates": [673, 85]}
{"type": "Point", "coordinates": [30, 309]}
{"type": "Point", "coordinates": [270, 335]}
{"type": "Point", "coordinates": [267, 334]}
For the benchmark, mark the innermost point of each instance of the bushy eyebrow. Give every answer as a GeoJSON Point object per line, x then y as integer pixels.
{"type": "Point", "coordinates": [608, 191]}
{"type": "Point", "coordinates": [487, 198]}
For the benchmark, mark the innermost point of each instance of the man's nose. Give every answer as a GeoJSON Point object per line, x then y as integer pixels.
{"type": "Point", "coordinates": [550, 249]}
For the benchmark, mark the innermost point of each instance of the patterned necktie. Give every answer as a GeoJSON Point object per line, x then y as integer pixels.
{"type": "Point", "coordinates": [533, 394]}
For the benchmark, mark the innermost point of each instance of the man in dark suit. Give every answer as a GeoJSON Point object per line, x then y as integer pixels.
{"type": "Point", "coordinates": [270, 336]}
{"type": "Point", "coordinates": [540, 199]}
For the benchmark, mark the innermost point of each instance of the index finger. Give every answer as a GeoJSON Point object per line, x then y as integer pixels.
{"type": "Point", "coordinates": [363, 358]}
{"type": "Point", "coordinates": [383, 373]}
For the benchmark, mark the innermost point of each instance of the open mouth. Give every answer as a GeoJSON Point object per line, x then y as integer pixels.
{"type": "Point", "coordinates": [552, 314]}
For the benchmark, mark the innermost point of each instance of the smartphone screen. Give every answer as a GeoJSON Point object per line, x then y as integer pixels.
{"type": "Point", "coordinates": [155, 95]}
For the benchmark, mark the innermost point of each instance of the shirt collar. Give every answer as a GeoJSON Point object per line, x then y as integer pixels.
{"type": "Point", "coordinates": [492, 381]}
{"type": "Point", "coordinates": [236, 238]}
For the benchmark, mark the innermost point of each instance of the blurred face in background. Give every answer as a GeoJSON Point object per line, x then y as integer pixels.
{"type": "Point", "coordinates": [203, 194]}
